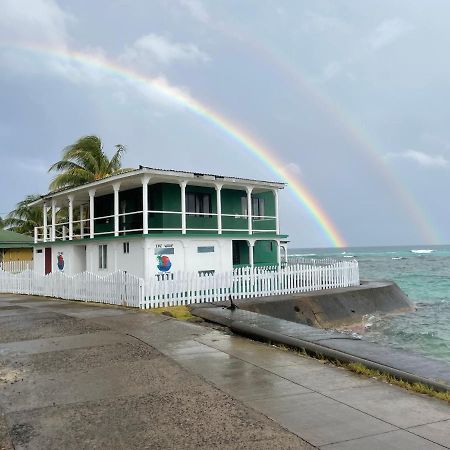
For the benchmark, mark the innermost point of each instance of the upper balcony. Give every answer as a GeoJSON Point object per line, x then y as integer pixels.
{"type": "Point", "coordinates": [154, 202]}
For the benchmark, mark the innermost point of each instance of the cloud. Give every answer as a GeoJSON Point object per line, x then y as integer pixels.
{"type": "Point", "coordinates": [33, 20]}
{"type": "Point", "coordinates": [314, 22]}
{"type": "Point", "coordinates": [153, 50]}
{"type": "Point", "coordinates": [331, 70]}
{"type": "Point", "coordinates": [388, 32]}
{"type": "Point", "coordinates": [293, 168]}
{"type": "Point", "coordinates": [421, 158]}
{"type": "Point", "coordinates": [196, 9]}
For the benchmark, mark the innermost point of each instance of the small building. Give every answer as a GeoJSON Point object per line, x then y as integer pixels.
{"type": "Point", "coordinates": [150, 222]}
{"type": "Point", "coordinates": [15, 247]}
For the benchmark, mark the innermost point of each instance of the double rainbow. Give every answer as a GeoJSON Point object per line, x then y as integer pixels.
{"type": "Point", "coordinates": [233, 131]}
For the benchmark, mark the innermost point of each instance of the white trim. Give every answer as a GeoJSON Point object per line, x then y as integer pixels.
{"type": "Point", "coordinates": [116, 188]}
{"type": "Point", "coordinates": [183, 206]}
{"type": "Point", "coordinates": [70, 197]}
{"type": "Point", "coordinates": [91, 213]}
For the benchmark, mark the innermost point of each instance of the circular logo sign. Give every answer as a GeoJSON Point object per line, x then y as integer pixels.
{"type": "Point", "coordinates": [164, 263]}
{"type": "Point", "coordinates": [60, 262]}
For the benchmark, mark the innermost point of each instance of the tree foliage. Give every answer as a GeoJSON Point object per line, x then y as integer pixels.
{"type": "Point", "coordinates": [24, 218]}
{"type": "Point", "coordinates": [85, 161]}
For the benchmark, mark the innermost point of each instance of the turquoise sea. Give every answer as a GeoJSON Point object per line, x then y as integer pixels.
{"type": "Point", "coordinates": [423, 273]}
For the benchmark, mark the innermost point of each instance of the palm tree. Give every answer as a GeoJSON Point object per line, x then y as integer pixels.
{"type": "Point", "coordinates": [24, 218]}
{"type": "Point", "coordinates": [85, 161]}
{"type": "Point", "coordinates": [2, 224]}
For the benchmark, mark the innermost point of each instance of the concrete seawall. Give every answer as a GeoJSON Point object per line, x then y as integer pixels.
{"type": "Point", "coordinates": [335, 307]}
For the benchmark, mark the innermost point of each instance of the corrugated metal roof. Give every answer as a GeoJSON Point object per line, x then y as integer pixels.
{"type": "Point", "coordinates": [10, 239]}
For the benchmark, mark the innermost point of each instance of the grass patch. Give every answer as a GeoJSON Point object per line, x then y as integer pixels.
{"type": "Point", "coordinates": [391, 379]}
{"type": "Point", "coordinates": [177, 312]}
{"type": "Point", "coordinates": [362, 370]}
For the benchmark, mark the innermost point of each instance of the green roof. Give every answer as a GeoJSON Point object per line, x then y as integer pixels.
{"type": "Point", "coordinates": [9, 239]}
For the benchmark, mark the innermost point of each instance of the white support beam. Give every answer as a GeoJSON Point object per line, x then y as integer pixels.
{"type": "Point", "coordinates": [53, 232]}
{"type": "Point", "coordinates": [70, 197]}
{"type": "Point", "coordinates": [91, 213]}
{"type": "Point", "coordinates": [116, 187]}
{"type": "Point", "coordinates": [219, 207]}
{"type": "Point", "coordinates": [277, 217]}
{"type": "Point", "coordinates": [279, 253]}
{"type": "Point", "coordinates": [183, 206]}
{"type": "Point", "coordinates": [249, 209]}
{"type": "Point", "coordinates": [145, 180]}
{"type": "Point", "coordinates": [251, 246]}
{"type": "Point", "coordinates": [44, 214]}
{"type": "Point", "coordinates": [81, 221]}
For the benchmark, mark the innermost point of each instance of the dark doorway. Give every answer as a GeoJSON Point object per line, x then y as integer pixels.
{"type": "Point", "coordinates": [48, 260]}
{"type": "Point", "coordinates": [240, 253]}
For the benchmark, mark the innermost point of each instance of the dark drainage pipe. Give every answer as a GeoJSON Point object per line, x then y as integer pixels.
{"type": "Point", "coordinates": [258, 333]}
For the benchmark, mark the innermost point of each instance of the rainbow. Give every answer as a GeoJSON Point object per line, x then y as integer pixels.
{"type": "Point", "coordinates": [355, 134]}
{"type": "Point", "coordinates": [233, 131]}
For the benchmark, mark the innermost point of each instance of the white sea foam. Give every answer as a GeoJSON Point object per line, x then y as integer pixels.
{"type": "Point", "coordinates": [398, 257]}
{"type": "Point", "coordinates": [348, 256]}
{"type": "Point", "coordinates": [422, 252]}
{"type": "Point", "coordinates": [303, 254]}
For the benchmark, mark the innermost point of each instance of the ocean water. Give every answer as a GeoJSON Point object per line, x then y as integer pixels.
{"type": "Point", "coordinates": [423, 273]}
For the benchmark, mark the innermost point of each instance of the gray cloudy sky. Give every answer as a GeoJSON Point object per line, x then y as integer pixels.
{"type": "Point", "coordinates": [352, 96]}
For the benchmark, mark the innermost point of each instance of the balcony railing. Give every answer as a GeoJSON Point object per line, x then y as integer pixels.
{"type": "Point", "coordinates": [158, 222]}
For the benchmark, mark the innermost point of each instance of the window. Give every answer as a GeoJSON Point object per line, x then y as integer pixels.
{"type": "Point", "coordinates": [102, 256]}
{"type": "Point", "coordinates": [164, 251]}
{"type": "Point", "coordinates": [244, 206]}
{"type": "Point", "coordinates": [39, 251]}
{"type": "Point", "coordinates": [205, 249]}
{"type": "Point", "coordinates": [126, 247]}
{"type": "Point", "coordinates": [257, 206]}
{"type": "Point", "coordinates": [199, 203]}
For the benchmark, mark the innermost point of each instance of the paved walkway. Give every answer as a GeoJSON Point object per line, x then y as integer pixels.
{"type": "Point", "coordinates": [82, 376]}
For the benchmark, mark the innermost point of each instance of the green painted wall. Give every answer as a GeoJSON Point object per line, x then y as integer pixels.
{"type": "Point", "coordinates": [166, 197]}
{"type": "Point", "coordinates": [231, 204]}
{"type": "Point", "coordinates": [265, 252]}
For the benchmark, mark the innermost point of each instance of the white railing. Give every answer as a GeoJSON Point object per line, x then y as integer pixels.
{"type": "Point", "coordinates": [182, 288]}
{"type": "Point", "coordinates": [16, 266]}
{"type": "Point", "coordinates": [119, 288]}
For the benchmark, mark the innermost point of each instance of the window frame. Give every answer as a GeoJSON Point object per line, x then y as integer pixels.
{"type": "Point", "coordinates": [103, 256]}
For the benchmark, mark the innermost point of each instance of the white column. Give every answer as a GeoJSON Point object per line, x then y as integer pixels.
{"type": "Point", "coordinates": [44, 213]}
{"type": "Point", "coordinates": [219, 207]}
{"type": "Point", "coordinates": [251, 246]}
{"type": "Point", "coordinates": [277, 218]}
{"type": "Point", "coordinates": [145, 180]}
{"type": "Point", "coordinates": [183, 206]}
{"type": "Point", "coordinates": [70, 197]}
{"type": "Point", "coordinates": [91, 213]}
{"type": "Point", "coordinates": [64, 232]}
{"type": "Point", "coordinates": [249, 209]}
{"type": "Point", "coordinates": [82, 221]}
{"type": "Point", "coordinates": [279, 253]}
{"type": "Point", "coordinates": [116, 187]}
{"type": "Point", "coordinates": [35, 235]}
{"type": "Point", "coordinates": [53, 235]}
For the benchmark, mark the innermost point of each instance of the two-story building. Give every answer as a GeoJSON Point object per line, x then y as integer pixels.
{"type": "Point", "coordinates": [150, 222]}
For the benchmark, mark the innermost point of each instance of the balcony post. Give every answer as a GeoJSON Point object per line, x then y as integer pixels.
{"type": "Point", "coordinates": [81, 222]}
{"type": "Point", "coordinates": [53, 232]}
{"type": "Point", "coordinates": [251, 246]}
{"type": "Point", "coordinates": [219, 207]}
{"type": "Point", "coordinates": [91, 213]}
{"type": "Point", "coordinates": [44, 213]}
{"type": "Point", "coordinates": [249, 209]}
{"type": "Point", "coordinates": [279, 253]}
{"type": "Point", "coordinates": [70, 197]}
{"type": "Point", "coordinates": [145, 180]}
{"type": "Point", "coordinates": [35, 235]}
{"type": "Point", "coordinates": [183, 206]}
{"type": "Point", "coordinates": [116, 187]}
{"type": "Point", "coordinates": [277, 218]}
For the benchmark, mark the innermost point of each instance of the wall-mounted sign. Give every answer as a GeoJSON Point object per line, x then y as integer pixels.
{"type": "Point", "coordinates": [164, 263]}
{"type": "Point", "coordinates": [60, 261]}
{"type": "Point", "coordinates": [163, 260]}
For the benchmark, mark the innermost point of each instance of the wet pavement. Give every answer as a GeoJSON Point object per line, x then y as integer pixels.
{"type": "Point", "coordinates": [74, 375]}
{"type": "Point", "coordinates": [427, 370]}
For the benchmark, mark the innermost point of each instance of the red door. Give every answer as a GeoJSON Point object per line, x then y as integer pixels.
{"type": "Point", "coordinates": [48, 260]}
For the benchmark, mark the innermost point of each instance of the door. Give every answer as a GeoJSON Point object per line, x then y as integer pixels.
{"type": "Point", "coordinates": [48, 260]}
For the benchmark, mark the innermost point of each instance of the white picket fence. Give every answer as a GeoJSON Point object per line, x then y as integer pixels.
{"type": "Point", "coordinates": [183, 288]}
{"type": "Point", "coordinates": [119, 288]}
{"type": "Point", "coordinates": [16, 266]}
